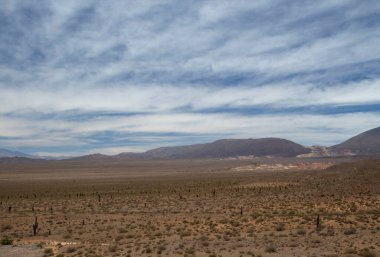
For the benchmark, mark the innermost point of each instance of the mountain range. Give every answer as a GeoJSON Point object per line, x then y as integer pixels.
{"type": "Point", "coordinates": [8, 153]}
{"type": "Point", "coordinates": [364, 144]}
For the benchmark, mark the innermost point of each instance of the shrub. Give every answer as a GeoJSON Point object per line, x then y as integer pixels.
{"type": "Point", "coordinates": [301, 232]}
{"type": "Point", "coordinates": [6, 241]}
{"type": "Point", "coordinates": [48, 252]}
{"type": "Point", "coordinates": [367, 253]}
{"type": "Point", "coordinates": [270, 249]}
{"type": "Point", "coordinates": [70, 250]}
{"type": "Point", "coordinates": [280, 227]}
{"type": "Point", "coordinates": [112, 248]}
{"type": "Point", "coordinates": [6, 227]}
{"type": "Point", "coordinates": [350, 251]}
{"type": "Point", "coordinates": [350, 231]}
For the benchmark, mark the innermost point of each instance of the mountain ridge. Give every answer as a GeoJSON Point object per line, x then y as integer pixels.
{"type": "Point", "coordinates": [366, 143]}
{"type": "Point", "coordinates": [224, 148]}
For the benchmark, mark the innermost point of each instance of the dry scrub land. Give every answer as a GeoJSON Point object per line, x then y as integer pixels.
{"type": "Point", "coordinates": [191, 208]}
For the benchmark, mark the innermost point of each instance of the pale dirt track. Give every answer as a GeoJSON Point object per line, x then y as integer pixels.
{"type": "Point", "coordinates": [20, 251]}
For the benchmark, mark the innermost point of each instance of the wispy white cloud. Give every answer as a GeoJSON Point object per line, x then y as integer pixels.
{"type": "Point", "coordinates": [203, 68]}
{"type": "Point", "coordinates": [82, 134]}
{"type": "Point", "coordinates": [158, 98]}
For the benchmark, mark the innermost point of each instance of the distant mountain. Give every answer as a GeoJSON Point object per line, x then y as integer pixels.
{"type": "Point", "coordinates": [231, 148]}
{"type": "Point", "coordinates": [366, 143]}
{"type": "Point", "coordinates": [224, 148]}
{"type": "Point", "coordinates": [91, 157]}
{"type": "Point", "coordinates": [7, 153]}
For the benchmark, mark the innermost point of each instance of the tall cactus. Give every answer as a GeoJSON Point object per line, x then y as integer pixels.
{"type": "Point", "coordinates": [318, 222]}
{"type": "Point", "coordinates": [35, 227]}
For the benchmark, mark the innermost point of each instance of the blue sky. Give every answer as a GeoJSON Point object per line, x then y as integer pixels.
{"type": "Point", "coordinates": [79, 77]}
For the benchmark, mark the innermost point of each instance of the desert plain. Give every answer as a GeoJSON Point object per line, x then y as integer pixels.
{"type": "Point", "coordinates": [216, 207]}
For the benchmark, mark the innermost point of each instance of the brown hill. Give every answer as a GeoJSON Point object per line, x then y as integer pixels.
{"type": "Point", "coordinates": [231, 148]}
{"type": "Point", "coordinates": [366, 143]}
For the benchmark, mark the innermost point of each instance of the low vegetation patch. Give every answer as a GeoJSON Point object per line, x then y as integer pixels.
{"type": "Point", "coordinates": [6, 241]}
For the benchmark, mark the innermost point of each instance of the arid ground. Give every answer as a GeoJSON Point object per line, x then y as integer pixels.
{"type": "Point", "coordinates": [257, 207]}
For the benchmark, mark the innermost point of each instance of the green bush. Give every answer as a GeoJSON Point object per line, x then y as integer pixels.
{"type": "Point", "coordinates": [6, 241]}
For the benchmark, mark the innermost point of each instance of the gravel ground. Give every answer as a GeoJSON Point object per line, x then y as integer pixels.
{"type": "Point", "coordinates": [20, 251]}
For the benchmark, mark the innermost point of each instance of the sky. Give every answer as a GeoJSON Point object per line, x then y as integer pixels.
{"type": "Point", "coordinates": [80, 77]}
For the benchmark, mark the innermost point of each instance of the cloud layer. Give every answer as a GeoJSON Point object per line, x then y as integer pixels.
{"type": "Point", "coordinates": [107, 76]}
